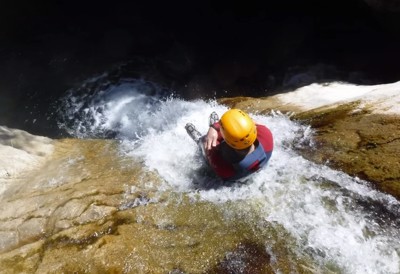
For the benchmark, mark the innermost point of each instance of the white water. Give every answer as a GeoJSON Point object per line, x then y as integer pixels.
{"type": "Point", "coordinates": [336, 219]}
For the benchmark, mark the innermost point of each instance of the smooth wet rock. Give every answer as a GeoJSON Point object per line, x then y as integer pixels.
{"type": "Point", "coordinates": [90, 209]}
{"type": "Point", "coordinates": [360, 138]}
{"type": "Point", "coordinates": [20, 152]}
{"type": "Point", "coordinates": [358, 142]}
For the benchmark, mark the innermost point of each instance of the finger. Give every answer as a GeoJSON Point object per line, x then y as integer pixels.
{"type": "Point", "coordinates": [214, 143]}
{"type": "Point", "coordinates": [208, 144]}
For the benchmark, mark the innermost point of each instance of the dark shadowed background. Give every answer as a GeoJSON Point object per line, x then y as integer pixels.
{"type": "Point", "coordinates": [194, 48]}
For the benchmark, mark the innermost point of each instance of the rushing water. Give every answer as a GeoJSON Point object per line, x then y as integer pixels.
{"type": "Point", "coordinates": [339, 221]}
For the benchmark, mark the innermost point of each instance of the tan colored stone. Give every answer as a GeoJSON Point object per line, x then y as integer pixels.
{"type": "Point", "coordinates": [348, 137]}
{"type": "Point", "coordinates": [91, 223]}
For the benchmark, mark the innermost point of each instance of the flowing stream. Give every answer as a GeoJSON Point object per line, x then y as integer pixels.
{"type": "Point", "coordinates": [337, 221]}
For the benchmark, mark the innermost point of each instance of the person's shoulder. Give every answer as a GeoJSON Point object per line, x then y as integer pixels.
{"type": "Point", "coordinates": [264, 135]}
{"type": "Point", "coordinates": [262, 128]}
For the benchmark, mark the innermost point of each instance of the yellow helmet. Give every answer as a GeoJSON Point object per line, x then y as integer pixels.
{"type": "Point", "coordinates": [238, 129]}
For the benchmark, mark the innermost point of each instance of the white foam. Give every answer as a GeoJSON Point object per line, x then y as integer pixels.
{"type": "Point", "coordinates": [318, 206]}
{"type": "Point", "coordinates": [383, 99]}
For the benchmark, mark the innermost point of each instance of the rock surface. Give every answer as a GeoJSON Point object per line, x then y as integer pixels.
{"type": "Point", "coordinates": [358, 136]}
{"type": "Point", "coordinates": [20, 152]}
{"type": "Point", "coordinates": [90, 209]}
{"type": "Point", "coordinates": [79, 206]}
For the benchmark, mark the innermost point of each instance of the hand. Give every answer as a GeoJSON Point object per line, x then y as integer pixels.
{"type": "Point", "coordinates": [210, 140]}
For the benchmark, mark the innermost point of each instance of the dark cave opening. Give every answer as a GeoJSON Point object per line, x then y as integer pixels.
{"type": "Point", "coordinates": [197, 49]}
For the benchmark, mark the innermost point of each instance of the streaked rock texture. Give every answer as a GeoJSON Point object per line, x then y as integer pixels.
{"type": "Point", "coordinates": [353, 137]}
{"type": "Point", "coordinates": [84, 207]}
{"type": "Point", "coordinates": [90, 209]}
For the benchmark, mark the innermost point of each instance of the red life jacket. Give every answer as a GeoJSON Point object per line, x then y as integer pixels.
{"type": "Point", "coordinates": [228, 170]}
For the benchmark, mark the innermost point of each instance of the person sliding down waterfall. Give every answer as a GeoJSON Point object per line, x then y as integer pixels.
{"type": "Point", "coordinates": [234, 146]}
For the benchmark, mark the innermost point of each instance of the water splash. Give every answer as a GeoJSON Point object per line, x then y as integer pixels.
{"type": "Point", "coordinates": [338, 220]}
{"type": "Point", "coordinates": [104, 110]}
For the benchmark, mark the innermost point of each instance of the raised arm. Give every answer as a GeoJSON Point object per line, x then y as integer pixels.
{"type": "Point", "coordinates": [213, 137]}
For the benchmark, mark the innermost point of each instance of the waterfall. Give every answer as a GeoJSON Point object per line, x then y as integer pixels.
{"type": "Point", "coordinates": [338, 221]}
